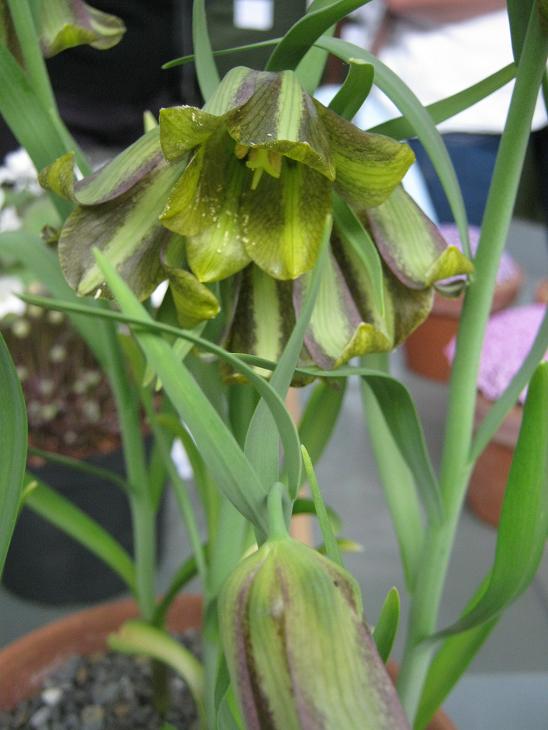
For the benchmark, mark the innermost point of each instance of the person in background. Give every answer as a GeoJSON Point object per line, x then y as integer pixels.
{"type": "Point", "coordinates": [440, 47]}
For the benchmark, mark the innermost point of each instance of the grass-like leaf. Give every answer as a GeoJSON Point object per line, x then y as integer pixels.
{"type": "Point", "coordinates": [401, 128]}
{"type": "Point", "coordinates": [262, 440]}
{"type": "Point", "coordinates": [355, 89]}
{"type": "Point", "coordinates": [13, 448]}
{"type": "Point", "coordinates": [386, 627]}
{"type": "Point", "coordinates": [206, 69]}
{"type": "Point", "coordinates": [300, 37]}
{"type": "Point", "coordinates": [137, 637]}
{"type": "Point", "coordinates": [320, 417]}
{"type": "Point", "coordinates": [330, 541]}
{"type": "Point", "coordinates": [74, 522]}
{"type": "Point", "coordinates": [524, 519]}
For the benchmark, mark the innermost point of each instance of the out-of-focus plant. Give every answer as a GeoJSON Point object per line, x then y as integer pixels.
{"type": "Point", "coordinates": [289, 247]}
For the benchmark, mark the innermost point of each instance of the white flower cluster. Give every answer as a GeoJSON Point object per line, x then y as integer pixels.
{"type": "Point", "coordinates": [17, 174]}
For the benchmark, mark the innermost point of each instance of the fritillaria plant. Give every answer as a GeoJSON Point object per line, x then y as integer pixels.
{"type": "Point", "coordinates": [290, 248]}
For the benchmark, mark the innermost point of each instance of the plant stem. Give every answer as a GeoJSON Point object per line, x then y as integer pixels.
{"type": "Point", "coordinates": [462, 394]}
{"type": "Point", "coordinates": [142, 508]}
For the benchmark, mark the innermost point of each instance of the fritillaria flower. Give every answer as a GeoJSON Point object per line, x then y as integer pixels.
{"type": "Point", "coordinates": [245, 187]}
{"type": "Point", "coordinates": [298, 651]}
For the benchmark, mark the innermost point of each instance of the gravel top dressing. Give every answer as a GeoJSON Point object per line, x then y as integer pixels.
{"type": "Point", "coordinates": [106, 691]}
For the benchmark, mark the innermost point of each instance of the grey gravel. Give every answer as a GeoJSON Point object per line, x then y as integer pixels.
{"type": "Point", "coordinates": [104, 692]}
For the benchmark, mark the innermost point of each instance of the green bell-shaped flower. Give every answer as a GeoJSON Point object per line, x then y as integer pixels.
{"type": "Point", "coordinates": [63, 24]}
{"type": "Point", "coordinates": [298, 651]}
{"type": "Point", "coordinates": [265, 158]}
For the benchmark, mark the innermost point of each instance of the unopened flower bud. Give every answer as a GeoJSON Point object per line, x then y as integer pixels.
{"type": "Point", "coordinates": [298, 651]}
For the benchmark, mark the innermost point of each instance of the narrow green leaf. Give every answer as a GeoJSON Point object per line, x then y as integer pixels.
{"type": "Point", "coordinates": [498, 412]}
{"type": "Point", "coordinates": [355, 89]}
{"type": "Point", "coordinates": [230, 468]}
{"type": "Point", "coordinates": [137, 637]}
{"type": "Point", "coordinates": [401, 128]}
{"type": "Point", "coordinates": [182, 60]}
{"type": "Point", "coordinates": [262, 440]}
{"type": "Point", "coordinates": [402, 420]}
{"type": "Point", "coordinates": [450, 663]}
{"type": "Point", "coordinates": [184, 574]}
{"type": "Point", "coordinates": [206, 69]}
{"type": "Point", "coordinates": [71, 520]}
{"type": "Point", "coordinates": [28, 119]}
{"type": "Point", "coordinates": [519, 12]}
{"type": "Point", "coordinates": [82, 466]}
{"type": "Point", "coordinates": [418, 116]}
{"type": "Point", "coordinates": [331, 547]}
{"type": "Point", "coordinates": [524, 519]}
{"type": "Point", "coordinates": [300, 37]}
{"type": "Point", "coordinates": [312, 66]}
{"type": "Point", "coordinates": [13, 448]}
{"type": "Point", "coordinates": [305, 506]}
{"type": "Point", "coordinates": [398, 485]}
{"type": "Point", "coordinates": [386, 627]}
{"type": "Point", "coordinates": [320, 417]}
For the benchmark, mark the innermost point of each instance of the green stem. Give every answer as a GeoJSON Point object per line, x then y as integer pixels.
{"type": "Point", "coordinates": [37, 74]}
{"type": "Point", "coordinates": [277, 526]}
{"type": "Point", "coordinates": [462, 395]}
{"type": "Point", "coordinates": [142, 508]}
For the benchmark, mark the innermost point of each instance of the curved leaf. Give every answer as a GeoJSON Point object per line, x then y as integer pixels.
{"type": "Point", "coordinates": [74, 522]}
{"type": "Point", "coordinates": [524, 519]}
{"type": "Point", "coordinates": [13, 448]}
{"type": "Point", "coordinates": [401, 128]}
{"type": "Point", "coordinates": [300, 37]}
{"type": "Point", "coordinates": [355, 89]}
{"type": "Point", "coordinates": [206, 69]}
{"type": "Point", "coordinates": [386, 627]}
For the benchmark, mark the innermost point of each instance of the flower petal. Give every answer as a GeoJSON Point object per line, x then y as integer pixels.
{"type": "Point", "coordinates": [196, 200]}
{"type": "Point", "coordinates": [411, 244]}
{"type": "Point", "coordinates": [218, 251]}
{"type": "Point", "coordinates": [281, 116]}
{"type": "Point", "coordinates": [67, 23]}
{"type": "Point", "coordinates": [184, 127]}
{"type": "Point", "coordinates": [368, 166]}
{"type": "Point", "coordinates": [126, 230]}
{"type": "Point", "coordinates": [264, 316]}
{"type": "Point", "coordinates": [193, 301]}
{"type": "Point", "coordinates": [283, 220]}
{"type": "Point", "coordinates": [338, 330]}
{"type": "Point", "coordinates": [110, 181]}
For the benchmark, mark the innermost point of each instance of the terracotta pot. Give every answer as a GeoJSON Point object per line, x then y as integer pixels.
{"type": "Point", "coordinates": [488, 480]}
{"type": "Point", "coordinates": [25, 664]}
{"type": "Point", "coordinates": [425, 347]}
{"type": "Point", "coordinates": [541, 292]}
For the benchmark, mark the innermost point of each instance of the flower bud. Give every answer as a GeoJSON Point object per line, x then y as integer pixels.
{"type": "Point", "coordinates": [298, 652]}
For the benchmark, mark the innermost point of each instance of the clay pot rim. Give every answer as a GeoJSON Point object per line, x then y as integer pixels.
{"type": "Point", "coordinates": [90, 627]}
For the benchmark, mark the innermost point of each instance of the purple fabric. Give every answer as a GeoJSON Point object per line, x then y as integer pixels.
{"type": "Point", "coordinates": [508, 339]}
{"type": "Point", "coordinates": [508, 268]}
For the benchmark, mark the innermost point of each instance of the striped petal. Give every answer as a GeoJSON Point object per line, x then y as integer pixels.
{"type": "Point", "coordinates": [110, 181]}
{"type": "Point", "coordinates": [282, 117]}
{"type": "Point", "coordinates": [67, 23]}
{"type": "Point", "coordinates": [411, 244]}
{"type": "Point", "coordinates": [368, 166]}
{"type": "Point", "coordinates": [343, 324]}
{"type": "Point", "coordinates": [283, 220]}
{"type": "Point", "coordinates": [126, 230]}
